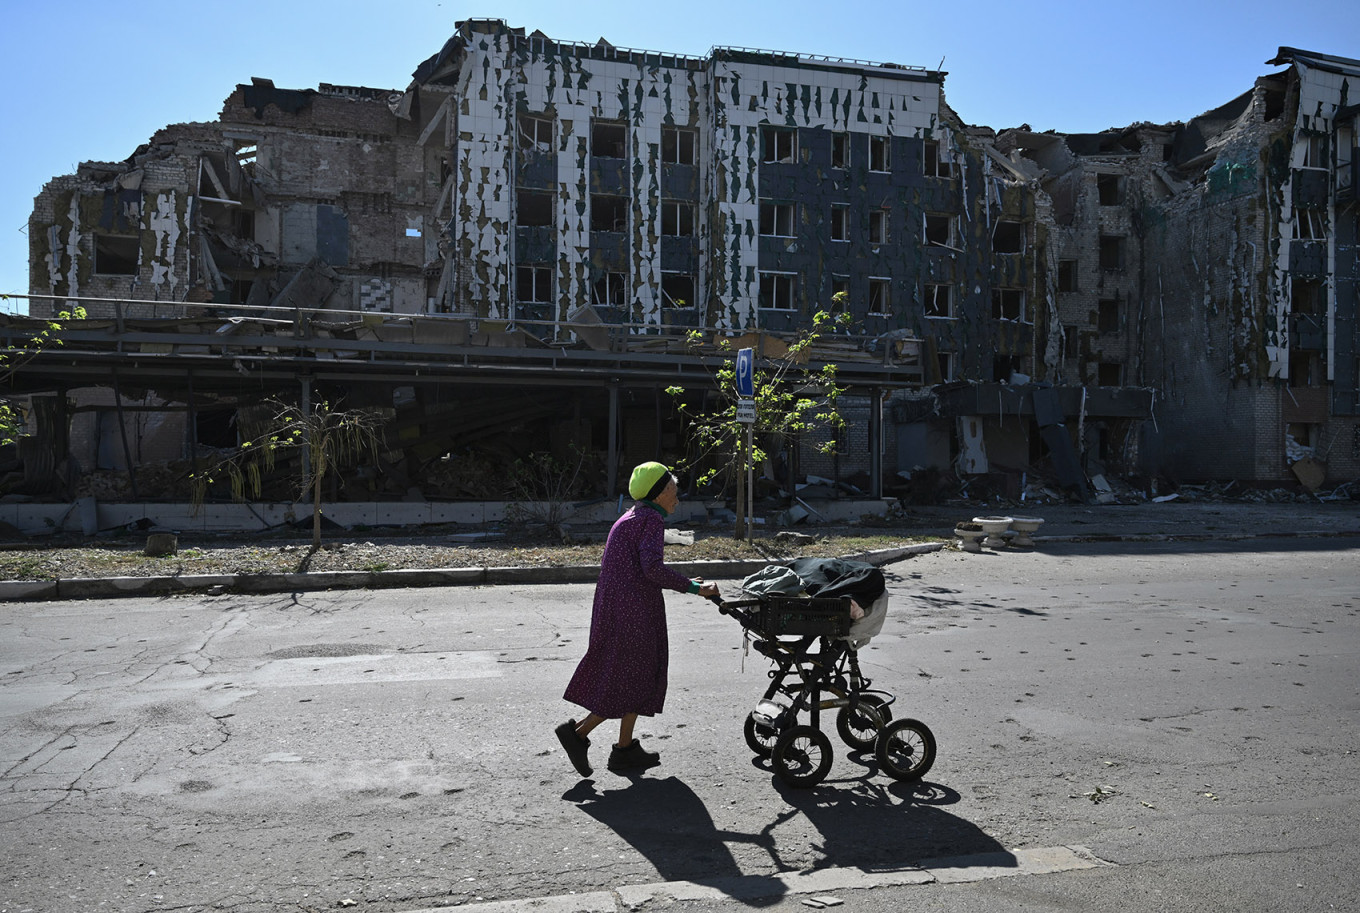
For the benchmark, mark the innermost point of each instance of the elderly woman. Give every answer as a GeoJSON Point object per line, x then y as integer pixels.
{"type": "Point", "coordinates": [623, 673]}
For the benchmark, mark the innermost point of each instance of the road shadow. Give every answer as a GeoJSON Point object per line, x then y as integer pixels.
{"type": "Point", "coordinates": [861, 824]}
{"type": "Point", "coordinates": [667, 822]}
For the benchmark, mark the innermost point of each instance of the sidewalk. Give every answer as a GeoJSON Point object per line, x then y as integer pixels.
{"type": "Point", "coordinates": [1168, 521]}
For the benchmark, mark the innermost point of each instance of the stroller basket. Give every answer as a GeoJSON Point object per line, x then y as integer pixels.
{"type": "Point", "coordinates": [781, 615]}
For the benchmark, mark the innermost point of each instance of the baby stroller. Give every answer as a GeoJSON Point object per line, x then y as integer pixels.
{"type": "Point", "coordinates": [809, 618]}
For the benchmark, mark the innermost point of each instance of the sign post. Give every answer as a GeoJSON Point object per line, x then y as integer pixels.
{"type": "Point", "coordinates": [746, 415]}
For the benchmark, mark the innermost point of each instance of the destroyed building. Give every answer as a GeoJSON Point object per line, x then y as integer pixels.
{"type": "Point", "coordinates": [510, 252]}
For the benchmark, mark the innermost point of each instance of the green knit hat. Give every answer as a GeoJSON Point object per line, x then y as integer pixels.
{"type": "Point", "coordinates": [645, 478]}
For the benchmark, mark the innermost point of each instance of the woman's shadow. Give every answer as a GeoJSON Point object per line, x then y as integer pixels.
{"type": "Point", "coordinates": [862, 824]}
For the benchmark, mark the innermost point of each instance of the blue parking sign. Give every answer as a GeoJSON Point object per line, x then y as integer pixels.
{"type": "Point", "coordinates": [746, 386]}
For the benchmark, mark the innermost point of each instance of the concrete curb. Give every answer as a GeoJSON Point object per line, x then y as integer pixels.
{"type": "Point", "coordinates": [749, 888]}
{"type": "Point", "coordinates": [108, 587]}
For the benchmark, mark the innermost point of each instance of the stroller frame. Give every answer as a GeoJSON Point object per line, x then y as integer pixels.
{"type": "Point", "coordinates": [816, 668]}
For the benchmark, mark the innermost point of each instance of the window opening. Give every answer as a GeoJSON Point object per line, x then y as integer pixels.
{"type": "Point", "coordinates": [939, 230]}
{"type": "Point", "coordinates": [945, 361]}
{"type": "Point", "coordinates": [1314, 151]}
{"type": "Point", "coordinates": [1107, 315]}
{"type": "Point", "coordinates": [608, 140]}
{"type": "Point", "coordinates": [677, 290]}
{"type": "Point", "coordinates": [939, 301]}
{"type": "Point", "coordinates": [535, 133]}
{"type": "Point", "coordinates": [677, 219]}
{"type": "Point", "coordinates": [840, 286]}
{"type": "Point", "coordinates": [1305, 297]}
{"type": "Point", "coordinates": [880, 157]}
{"type": "Point", "coordinates": [1008, 304]}
{"type": "Point", "coordinates": [1008, 238]}
{"type": "Point", "coordinates": [533, 208]}
{"type": "Point", "coordinates": [1067, 275]}
{"type": "Point", "coordinates": [776, 291]}
{"type": "Point", "coordinates": [878, 226]}
{"type": "Point", "coordinates": [611, 288]}
{"type": "Point", "coordinates": [776, 219]}
{"type": "Point", "coordinates": [1110, 189]}
{"type": "Point", "coordinates": [933, 163]}
{"type": "Point", "coordinates": [840, 222]}
{"type": "Point", "coordinates": [840, 150]}
{"type": "Point", "coordinates": [678, 145]}
{"type": "Point", "coordinates": [116, 255]}
{"type": "Point", "coordinates": [608, 213]}
{"type": "Point", "coordinates": [778, 146]}
{"type": "Point", "coordinates": [533, 284]}
{"type": "Point", "coordinates": [1109, 374]}
{"type": "Point", "coordinates": [880, 291]}
{"type": "Point", "coordinates": [1310, 225]}
{"type": "Point", "coordinates": [1111, 252]}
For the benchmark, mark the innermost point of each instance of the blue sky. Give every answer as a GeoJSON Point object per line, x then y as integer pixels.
{"type": "Point", "coordinates": [92, 81]}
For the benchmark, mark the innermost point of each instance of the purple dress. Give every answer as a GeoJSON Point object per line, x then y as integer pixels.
{"type": "Point", "coordinates": [624, 669]}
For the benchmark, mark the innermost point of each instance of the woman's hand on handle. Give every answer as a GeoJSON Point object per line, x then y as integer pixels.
{"type": "Point", "coordinates": [708, 590]}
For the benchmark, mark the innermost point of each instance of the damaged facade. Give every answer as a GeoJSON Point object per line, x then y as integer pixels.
{"type": "Point", "coordinates": [510, 251]}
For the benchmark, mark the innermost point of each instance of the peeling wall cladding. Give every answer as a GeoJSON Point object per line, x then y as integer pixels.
{"type": "Point", "coordinates": [726, 100]}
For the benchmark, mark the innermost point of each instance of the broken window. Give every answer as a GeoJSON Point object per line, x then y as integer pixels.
{"type": "Point", "coordinates": [1314, 150]}
{"type": "Point", "coordinates": [1107, 315]}
{"type": "Point", "coordinates": [840, 222]}
{"type": "Point", "coordinates": [939, 301]}
{"type": "Point", "coordinates": [1310, 225]}
{"type": "Point", "coordinates": [1305, 369]}
{"type": "Point", "coordinates": [679, 145]}
{"type": "Point", "coordinates": [246, 153]}
{"type": "Point", "coordinates": [1008, 304]}
{"type": "Point", "coordinates": [608, 213]}
{"type": "Point", "coordinates": [1110, 189]}
{"type": "Point", "coordinates": [840, 150]}
{"type": "Point", "coordinates": [1111, 252]}
{"type": "Point", "coordinates": [1071, 341]}
{"type": "Point", "coordinates": [878, 226]}
{"type": "Point", "coordinates": [1008, 238]}
{"type": "Point", "coordinates": [1003, 366]}
{"type": "Point", "coordinates": [880, 157]}
{"type": "Point", "coordinates": [840, 285]}
{"type": "Point", "coordinates": [1109, 374]}
{"type": "Point", "coordinates": [880, 292]}
{"type": "Point", "coordinates": [933, 163]}
{"type": "Point", "coordinates": [535, 133]}
{"type": "Point", "coordinates": [1305, 297]}
{"type": "Point", "coordinates": [116, 255]}
{"type": "Point", "coordinates": [677, 290]}
{"type": "Point", "coordinates": [945, 362]}
{"type": "Point", "coordinates": [1067, 275]}
{"type": "Point", "coordinates": [778, 145]}
{"type": "Point", "coordinates": [939, 229]}
{"type": "Point", "coordinates": [608, 139]}
{"type": "Point", "coordinates": [533, 208]}
{"type": "Point", "coordinates": [776, 290]}
{"type": "Point", "coordinates": [533, 284]}
{"type": "Point", "coordinates": [677, 219]}
{"type": "Point", "coordinates": [776, 219]}
{"type": "Point", "coordinates": [610, 288]}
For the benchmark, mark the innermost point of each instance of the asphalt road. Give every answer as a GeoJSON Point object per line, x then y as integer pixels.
{"type": "Point", "coordinates": [1183, 713]}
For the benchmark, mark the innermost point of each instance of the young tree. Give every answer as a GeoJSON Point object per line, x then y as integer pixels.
{"type": "Point", "coordinates": [11, 421]}
{"type": "Point", "coordinates": [791, 399]}
{"type": "Point", "coordinates": [327, 436]}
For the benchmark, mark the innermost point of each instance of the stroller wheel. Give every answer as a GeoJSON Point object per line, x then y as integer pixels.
{"type": "Point", "coordinates": [906, 749]}
{"type": "Point", "coordinates": [802, 756]}
{"type": "Point", "coordinates": [859, 728]}
{"type": "Point", "coordinates": [759, 737]}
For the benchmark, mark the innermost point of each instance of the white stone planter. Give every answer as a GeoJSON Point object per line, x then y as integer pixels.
{"type": "Point", "coordinates": [994, 527]}
{"type": "Point", "coordinates": [1024, 528]}
{"type": "Point", "coordinates": [970, 540]}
